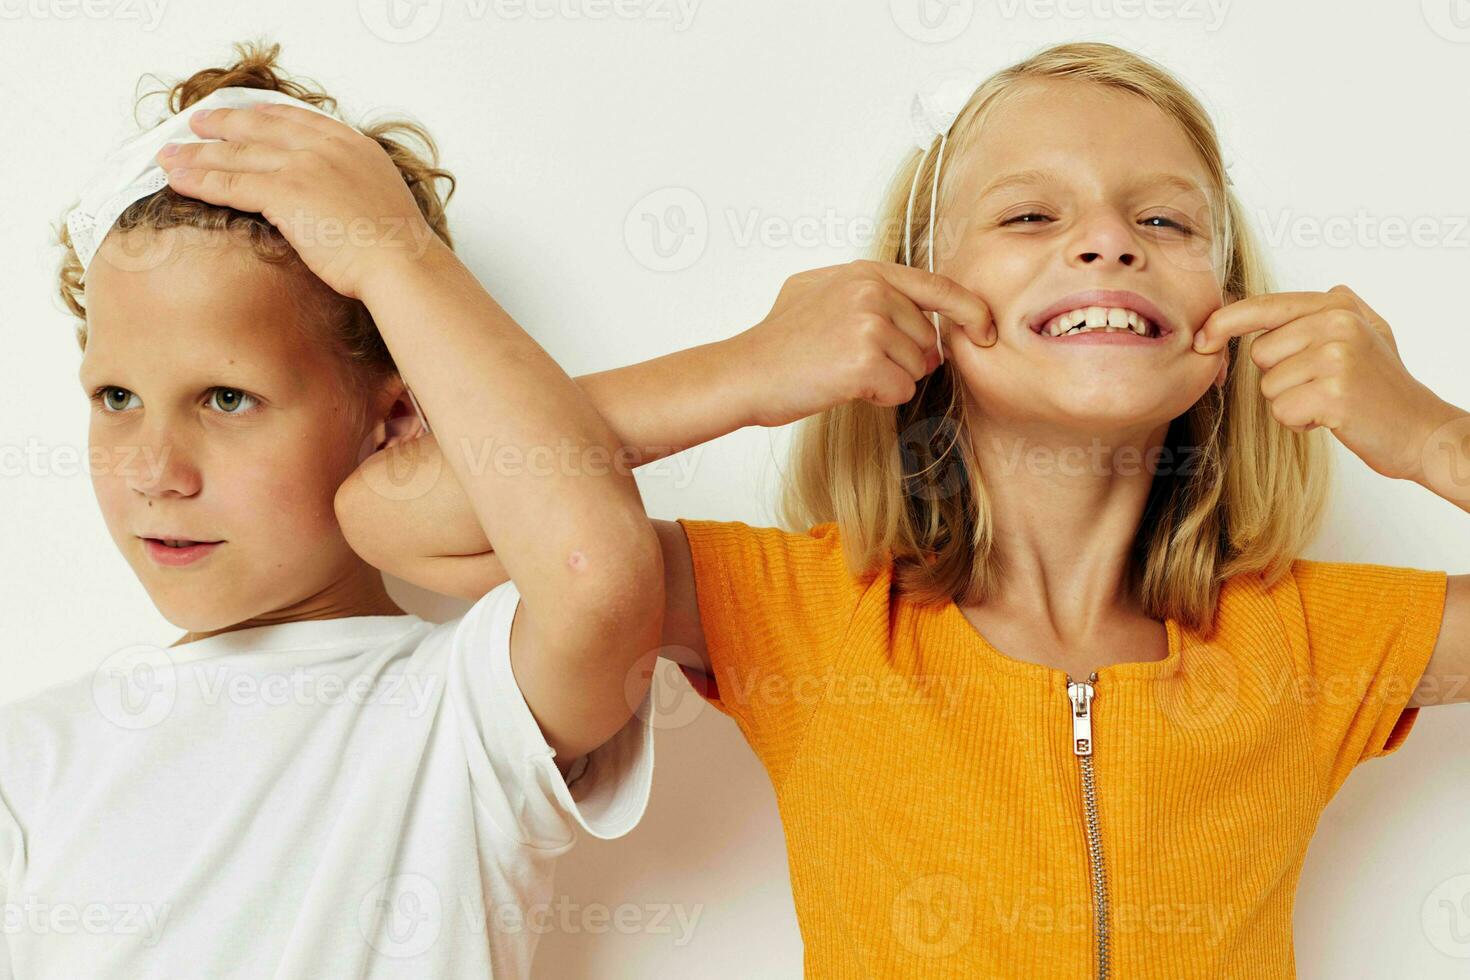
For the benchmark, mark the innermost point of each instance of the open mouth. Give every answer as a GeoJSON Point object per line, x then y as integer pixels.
{"type": "Point", "coordinates": [1101, 319]}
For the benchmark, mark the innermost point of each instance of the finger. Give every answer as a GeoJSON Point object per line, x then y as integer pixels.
{"type": "Point", "coordinates": [239, 157]}
{"type": "Point", "coordinates": [1290, 339]}
{"type": "Point", "coordinates": [1378, 323]}
{"type": "Point", "coordinates": [903, 351]}
{"type": "Point", "coordinates": [1299, 369]}
{"type": "Point", "coordinates": [1304, 408]}
{"type": "Point", "coordinates": [241, 191]}
{"type": "Point", "coordinates": [314, 121]}
{"type": "Point", "coordinates": [1265, 312]}
{"type": "Point", "coordinates": [889, 386]}
{"type": "Point", "coordinates": [253, 125]}
{"type": "Point", "coordinates": [914, 325]}
{"type": "Point", "coordinates": [936, 293]}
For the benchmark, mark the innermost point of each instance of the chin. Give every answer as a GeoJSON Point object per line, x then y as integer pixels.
{"type": "Point", "coordinates": [1108, 416]}
{"type": "Point", "coordinates": [194, 607]}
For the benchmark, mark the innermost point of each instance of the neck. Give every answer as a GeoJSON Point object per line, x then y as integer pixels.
{"type": "Point", "coordinates": [1067, 506]}
{"type": "Point", "coordinates": [360, 593]}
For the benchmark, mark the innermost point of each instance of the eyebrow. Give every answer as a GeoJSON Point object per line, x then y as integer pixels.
{"type": "Point", "coordinates": [1032, 178]}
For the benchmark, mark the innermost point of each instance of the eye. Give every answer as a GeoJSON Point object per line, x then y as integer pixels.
{"type": "Point", "coordinates": [1029, 214]}
{"type": "Point", "coordinates": [1169, 221]}
{"type": "Point", "coordinates": [229, 400]}
{"type": "Point", "coordinates": [107, 397]}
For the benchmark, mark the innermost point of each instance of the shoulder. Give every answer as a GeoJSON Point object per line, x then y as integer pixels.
{"type": "Point", "coordinates": [824, 536]}
{"type": "Point", "coordinates": [1334, 605]}
{"type": "Point", "coordinates": [736, 556]}
{"type": "Point", "coordinates": [1302, 582]}
{"type": "Point", "coordinates": [59, 707]}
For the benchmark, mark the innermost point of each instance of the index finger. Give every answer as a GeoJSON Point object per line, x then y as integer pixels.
{"type": "Point", "coordinates": [1264, 312]}
{"type": "Point", "coordinates": [938, 294]}
{"type": "Point", "coordinates": [282, 126]}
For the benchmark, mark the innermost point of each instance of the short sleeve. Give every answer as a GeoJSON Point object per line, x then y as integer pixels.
{"type": "Point", "coordinates": [1369, 633]}
{"type": "Point", "coordinates": [775, 607]}
{"type": "Point", "coordinates": [9, 851]}
{"type": "Point", "coordinates": [512, 768]}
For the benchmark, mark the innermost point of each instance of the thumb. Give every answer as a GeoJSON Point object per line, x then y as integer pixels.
{"type": "Point", "coordinates": [982, 332]}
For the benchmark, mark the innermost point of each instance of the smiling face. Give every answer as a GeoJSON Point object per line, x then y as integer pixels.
{"type": "Point", "coordinates": [219, 418]}
{"type": "Point", "coordinates": [1069, 188]}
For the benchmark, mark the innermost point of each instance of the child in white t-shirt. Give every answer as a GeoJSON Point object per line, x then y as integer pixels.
{"type": "Point", "coordinates": [312, 782]}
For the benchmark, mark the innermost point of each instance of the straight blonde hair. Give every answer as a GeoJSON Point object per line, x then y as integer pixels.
{"type": "Point", "coordinates": [901, 482]}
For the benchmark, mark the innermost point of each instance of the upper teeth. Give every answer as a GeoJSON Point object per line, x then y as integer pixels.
{"type": "Point", "coordinates": [1095, 317]}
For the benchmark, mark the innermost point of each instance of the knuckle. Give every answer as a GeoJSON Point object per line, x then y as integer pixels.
{"type": "Point", "coordinates": [1336, 353]}
{"type": "Point", "coordinates": [866, 293]}
{"type": "Point", "coordinates": [870, 326]}
{"type": "Point", "coordinates": [868, 358]}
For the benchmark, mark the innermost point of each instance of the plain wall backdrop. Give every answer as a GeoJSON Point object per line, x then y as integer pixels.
{"type": "Point", "coordinates": [641, 176]}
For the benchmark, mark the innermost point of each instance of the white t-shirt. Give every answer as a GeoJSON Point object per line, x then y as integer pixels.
{"type": "Point", "coordinates": [358, 797]}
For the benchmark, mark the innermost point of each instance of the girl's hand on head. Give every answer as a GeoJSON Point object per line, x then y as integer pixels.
{"type": "Point", "coordinates": [854, 331]}
{"type": "Point", "coordinates": [1327, 359]}
{"type": "Point", "coordinates": [331, 191]}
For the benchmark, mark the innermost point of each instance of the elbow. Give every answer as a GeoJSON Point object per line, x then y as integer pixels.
{"type": "Point", "coordinates": [624, 597]}
{"type": "Point", "coordinates": [352, 504]}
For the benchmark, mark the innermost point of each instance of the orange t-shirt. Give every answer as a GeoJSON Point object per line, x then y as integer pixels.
{"type": "Point", "coordinates": [933, 803]}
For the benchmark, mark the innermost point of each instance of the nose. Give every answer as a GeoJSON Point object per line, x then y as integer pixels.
{"type": "Point", "coordinates": [1102, 237]}
{"type": "Point", "coordinates": [162, 463]}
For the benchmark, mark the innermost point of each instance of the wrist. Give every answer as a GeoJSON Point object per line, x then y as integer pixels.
{"type": "Point", "coordinates": [732, 363]}
{"type": "Point", "coordinates": [419, 264]}
{"type": "Point", "coordinates": [1442, 464]}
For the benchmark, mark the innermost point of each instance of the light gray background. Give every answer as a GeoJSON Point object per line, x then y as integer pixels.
{"type": "Point", "coordinates": [576, 126]}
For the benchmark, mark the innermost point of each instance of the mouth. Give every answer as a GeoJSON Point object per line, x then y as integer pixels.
{"type": "Point", "coordinates": [176, 542]}
{"type": "Point", "coordinates": [175, 552]}
{"type": "Point", "coordinates": [1102, 314]}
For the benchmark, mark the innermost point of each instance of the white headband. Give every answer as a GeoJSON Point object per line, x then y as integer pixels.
{"type": "Point", "coordinates": [932, 114]}
{"type": "Point", "coordinates": [130, 173]}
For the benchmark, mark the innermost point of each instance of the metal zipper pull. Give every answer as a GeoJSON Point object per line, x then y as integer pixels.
{"type": "Point", "coordinates": [1080, 695]}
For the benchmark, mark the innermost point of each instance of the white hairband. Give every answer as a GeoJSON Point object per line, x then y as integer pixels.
{"type": "Point", "coordinates": [130, 172]}
{"type": "Point", "coordinates": [932, 114]}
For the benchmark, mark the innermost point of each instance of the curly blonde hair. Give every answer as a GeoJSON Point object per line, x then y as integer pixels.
{"type": "Point", "coordinates": [344, 322]}
{"type": "Point", "coordinates": [901, 482]}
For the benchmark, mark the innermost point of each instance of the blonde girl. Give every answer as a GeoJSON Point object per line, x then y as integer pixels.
{"type": "Point", "coordinates": [311, 782]}
{"type": "Point", "coordinates": [1038, 675]}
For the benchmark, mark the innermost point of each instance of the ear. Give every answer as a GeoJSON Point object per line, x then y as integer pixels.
{"type": "Point", "coordinates": [399, 422]}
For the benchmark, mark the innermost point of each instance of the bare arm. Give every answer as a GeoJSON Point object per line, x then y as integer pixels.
{"type": "Point", "coordinates": [575, 540]}
{"type": "Point", "coordinates": [434, 541]}
{"type": "Point", "coordinates": [836, 334]}
{"type": "Point", "coordinates": [1446, 679]}
{"type": "Point", "coordinates": [1445, 462]}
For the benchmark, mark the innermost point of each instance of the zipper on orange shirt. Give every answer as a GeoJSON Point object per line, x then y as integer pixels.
{"type": "Point", "coordinates": [1080, 695]}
